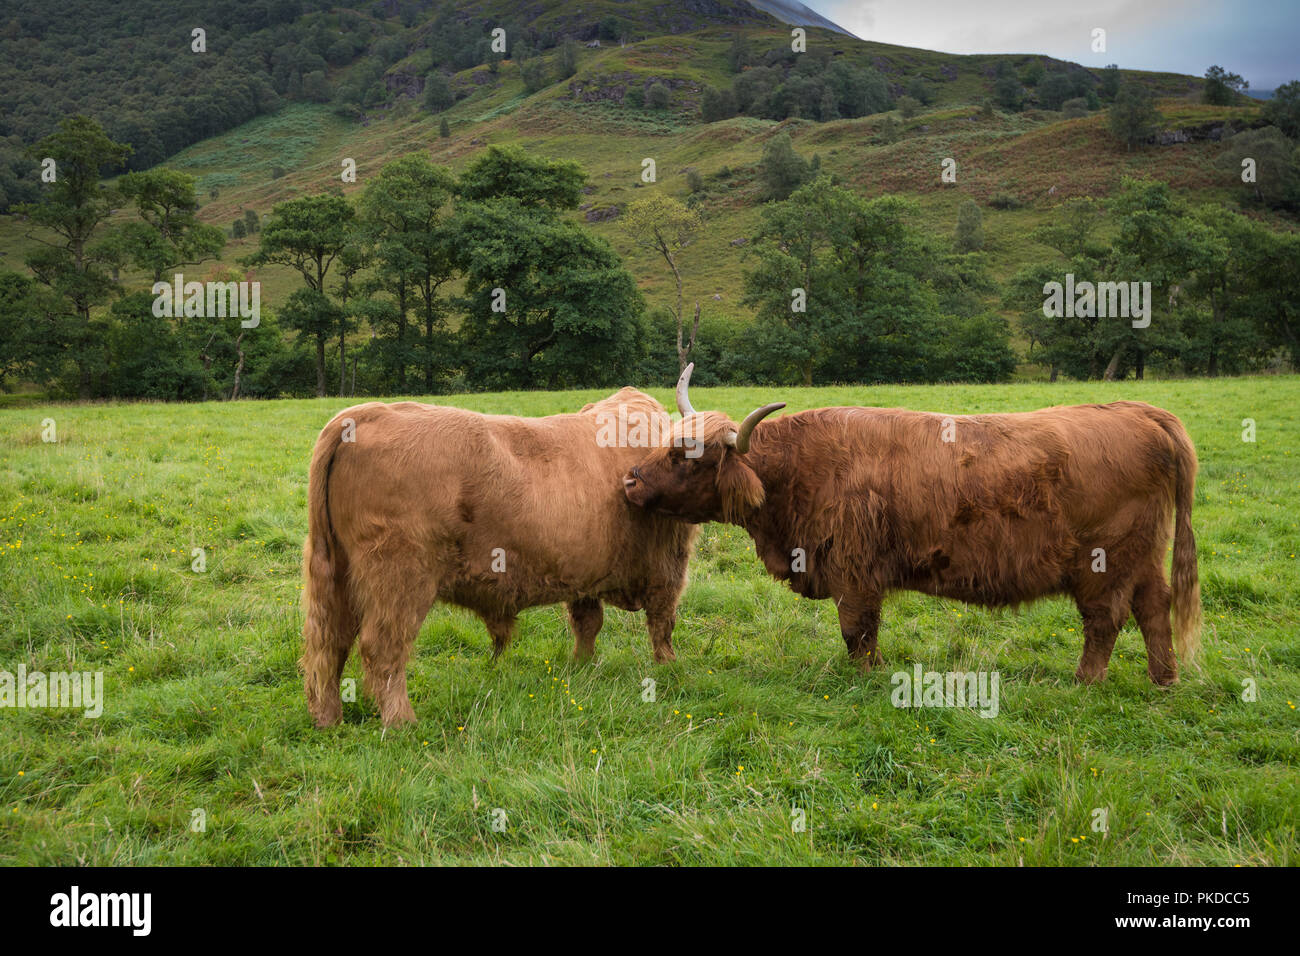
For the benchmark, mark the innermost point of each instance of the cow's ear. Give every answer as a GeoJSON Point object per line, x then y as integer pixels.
{"type": "Point", "coordinates": [738, 487]}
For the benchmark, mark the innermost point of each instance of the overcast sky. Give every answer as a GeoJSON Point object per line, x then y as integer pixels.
{"type": "Point", "coordinates": [1260, 39]}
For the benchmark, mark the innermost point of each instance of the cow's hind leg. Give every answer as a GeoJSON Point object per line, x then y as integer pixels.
{"type": "Point", "coordinates": [1151, 608]}
{"type": "Point", "coordinates": [395, 603]}
{"type": "Point", "coordinates": [586, 615]}
{"type": "Point", "coordinates": [328, 633]}
{"type": "Point", "coordinates": [860, 628]}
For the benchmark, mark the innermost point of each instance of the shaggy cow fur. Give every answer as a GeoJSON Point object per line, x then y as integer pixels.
{"type": "Point", "coordinates": [414, 508]}
{"type": "Point", "coordinates": [1011, 509]}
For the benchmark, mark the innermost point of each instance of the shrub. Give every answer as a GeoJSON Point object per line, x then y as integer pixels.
{"type": "Point", "coordinates": [1075, 108]}
{"type": "Point", "coordinates": [970, 229]}
{"type": "Point", "coordinates": [657, 97]}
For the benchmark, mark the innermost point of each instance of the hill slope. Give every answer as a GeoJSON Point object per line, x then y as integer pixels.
{"type": "Point", "coordinates": [1035, 157]}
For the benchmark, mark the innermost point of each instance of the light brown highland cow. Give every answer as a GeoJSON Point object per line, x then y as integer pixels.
{"type": "Point", "coordinates": [411, 504]}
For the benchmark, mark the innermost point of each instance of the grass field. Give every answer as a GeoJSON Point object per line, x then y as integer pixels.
{"type": "Point", "coordinates": [761, 715]}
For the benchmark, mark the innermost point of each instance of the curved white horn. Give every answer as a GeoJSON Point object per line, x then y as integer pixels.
{"type": "Point", "coordinates": [683, 399]}
{"type": "Point", "coordinates": [740, 440]}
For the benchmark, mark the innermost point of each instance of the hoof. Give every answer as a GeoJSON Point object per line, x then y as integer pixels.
{"type": "Point", "coordinates": [404, 715]}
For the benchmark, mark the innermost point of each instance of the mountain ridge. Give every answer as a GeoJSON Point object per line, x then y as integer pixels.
{"type": "Point", "coordinates": [797, 14]}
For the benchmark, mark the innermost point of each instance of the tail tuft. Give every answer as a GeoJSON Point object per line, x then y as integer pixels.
{"type": "Point", "coordinates": [1184, 580]}
{"type": "Point", "coordinates": [326, 615]}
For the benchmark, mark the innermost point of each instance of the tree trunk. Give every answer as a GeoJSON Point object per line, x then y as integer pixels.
{"type": "Point", "coordinates": [401, 338]}
{"type": "Point", "coordinates": [1055, 370]}
{"type": "Point", "coordinates": [683, 354]}
{"type": "Point", "coordinates": [320, 366]}
{"type": "Point", "coordinates": [428, 349]}
{"type": "Point", "coordinates": [239, 366]}
{"type": "Point", "coordinates": [807, 373]}
{"type": "Point", "coordinates": [1141, 365]}
{"type": "Point", "coordinates": [343, 365]}
{"type": "Point", "coordinates": [1112, 367]}
{"type": "Point", "coordinates": [1217, 310]}
{"type": "Point", "coordinates": [206, 359]}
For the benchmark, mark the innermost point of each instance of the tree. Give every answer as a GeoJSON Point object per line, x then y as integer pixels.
{"type": "Point", "coordinates": [1075, 108]}
{"type": "Point", "coordinates": [781, 168]}
{"type": "Point", "coordinates": [1110, 82]}
{"type": "Point", "coordinates": [1054, 90]}
{"type": "Point", "coordinates": [970, 231]}
{"type": "Point", "coordinates": [1033, 73]}
{"type": "Point", "coordinates": [856, 91]}
{"type": "Point", "coordinates": [316, 87]}
{"type": "Point", "coordinates": [26, 350]}
{"type": "Point", "coordinates": [169, 234]}
{"type": "Point", "coordinates": [533, 73]}
{"type": "Point", "coordinates": [238, 229]}
{"type": "Point", "coordinates": [1072, 228]}
{"type": "Point", "coordinates": [1133, 116]}
{"type": "Point", "coordinates": [920, 90]}
{"type": "Point", "coordinates": [438, 95]}
{"type": "Point", "coordinates": [665, 226]}
{"type": "Point", "coordinates": [1154, 240]}
{"type": "Point", "coordinates": [73, 208]}
{"type": "Point", "coordinates": [307, 235]}
{"type": "Point", "coordinates": [315, 316]}
{"type": "Point", "coordinates": [1228, 335]}
{"type": "Point", "coordinates": [717, 104]}
{"type": "Point", "coordinates": [657, 97]}
{"type": "Point", "coordinates": [566, 64]}
{"type": "Point", "coordinates": [610, 28]}
{"type": "Point", "coordinates": [739, 55]}
{"type": "Point", "coordinates": [845, 287]}
{"type": "Point", "coordinates": [1283, 110]}
{"type": "Point", "coordinates": [1275, 162]}
{"type": "Point", "coordinates": [1223, 88]}
{"type": "Point", "coordinates": [908, 106]}
{"type": "Point", "coordinates": [404, 216]}
{"type": "Point", "coordinates": [1008, 93]}
{"type": "Point", "coordinates": [891, 127]}
{"type": "Point", "coordinates": [547, 304]}
{"type": "Point", "coordinates": [1162, 243]}
{"type": "Point", "coordinates": [532, 181]}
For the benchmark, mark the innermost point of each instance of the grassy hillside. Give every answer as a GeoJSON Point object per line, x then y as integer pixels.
{"type": "Point", "coordinates": [1037, 157]}
{"type": "Point", "coordinates": [762, 714]}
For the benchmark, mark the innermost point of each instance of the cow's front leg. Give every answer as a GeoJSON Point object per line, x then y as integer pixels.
{"type": "Point", "coordinates": [660, 619]}
{"type": "Point", "coordinates": [586, 615]}
{"type": "Point", "coordinates": [1101, 624]}
{"type": "Point", "coordinates": [860, 626]}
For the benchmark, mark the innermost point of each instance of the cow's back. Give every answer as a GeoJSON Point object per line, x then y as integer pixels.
{"type": "Point", "coordinates": [511, 511]}
{"type": "Point", "coordinates": [993, 509]}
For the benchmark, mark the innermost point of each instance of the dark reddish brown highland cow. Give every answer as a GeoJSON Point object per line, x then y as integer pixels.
{"type": "Point", "coordinates": [851, 503]}
{"type": "Point", "coordinates": [409, 504]}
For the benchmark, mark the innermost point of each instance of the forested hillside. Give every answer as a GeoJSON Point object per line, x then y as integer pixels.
{"type": "Point", "coordinates": [704, 164]}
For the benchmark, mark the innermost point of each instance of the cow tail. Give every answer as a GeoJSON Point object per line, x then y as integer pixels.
{"type": "Point", "coordinates": [1185, 583]}
{"type": "Point", "coordinates": [326, 611]}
